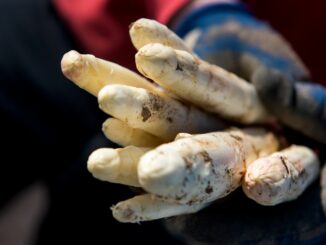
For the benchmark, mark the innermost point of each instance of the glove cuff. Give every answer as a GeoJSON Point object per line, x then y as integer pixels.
{"type": "Point", "coordinates": [194, 15]}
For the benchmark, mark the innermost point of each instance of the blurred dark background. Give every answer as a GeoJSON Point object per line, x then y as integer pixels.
{"type": "Point", "coordinates": [301, 23]}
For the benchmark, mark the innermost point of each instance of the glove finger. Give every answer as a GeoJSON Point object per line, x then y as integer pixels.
{"type": "Point", "coordinates": [238, 220]}
{"type": "Point", "coordinates": [244, 36]}
{"type": "Point", "coordinates": [299, 105]}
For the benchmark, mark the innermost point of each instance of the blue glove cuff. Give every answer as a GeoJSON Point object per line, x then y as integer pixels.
{"type": "Point", "coordinates": [215, 13]}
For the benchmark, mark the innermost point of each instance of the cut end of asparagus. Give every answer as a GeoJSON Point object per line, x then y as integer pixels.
{"type": "Point", "coordinates": [282, 176]}
{"type": "Point", "coordinates": [123, 213]}
{"type": "Point", "coordinates": [262, 175]}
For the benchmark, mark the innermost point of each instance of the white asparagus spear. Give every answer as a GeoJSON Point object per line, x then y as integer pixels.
{"type": "Point", "coordinates": [122, 134]}
{"type": "Point", "coordinates": [147, 207]}
{"type": "Point", "coordinates": [163, 117]}
{"type": "Point", "coordinates": [145, 31]}
{"type": "Point", "coordinates": [203, 167]}
{"type": "Point", "coordinates": [92, 74]}
{"type": "Point", "coordinates": [116, 165]}
{"type": "Point", "coordinates": [205, 85]}
{"type": "Point", "coordinates": [282, 176]}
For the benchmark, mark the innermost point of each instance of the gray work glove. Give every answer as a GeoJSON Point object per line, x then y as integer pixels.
{"type": "Point", "coordinates": [230, 37]}
{"type": "Point", "coordinates": [227, 35]}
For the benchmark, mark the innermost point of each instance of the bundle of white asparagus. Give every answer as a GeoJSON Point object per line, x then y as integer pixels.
{"type": "Point", "coordinates": [173, 146]}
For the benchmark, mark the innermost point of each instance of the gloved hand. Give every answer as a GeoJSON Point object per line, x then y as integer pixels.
{"type": "Point", "coordinates": [175, 173]}
{"type": "Point", "coordinates": [227, 35]}
{"type": "Point", "coordinates": [230, 37]}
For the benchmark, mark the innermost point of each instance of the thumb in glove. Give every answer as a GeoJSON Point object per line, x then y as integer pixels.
{"type": "Point", "coordinates": [299, 105]}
